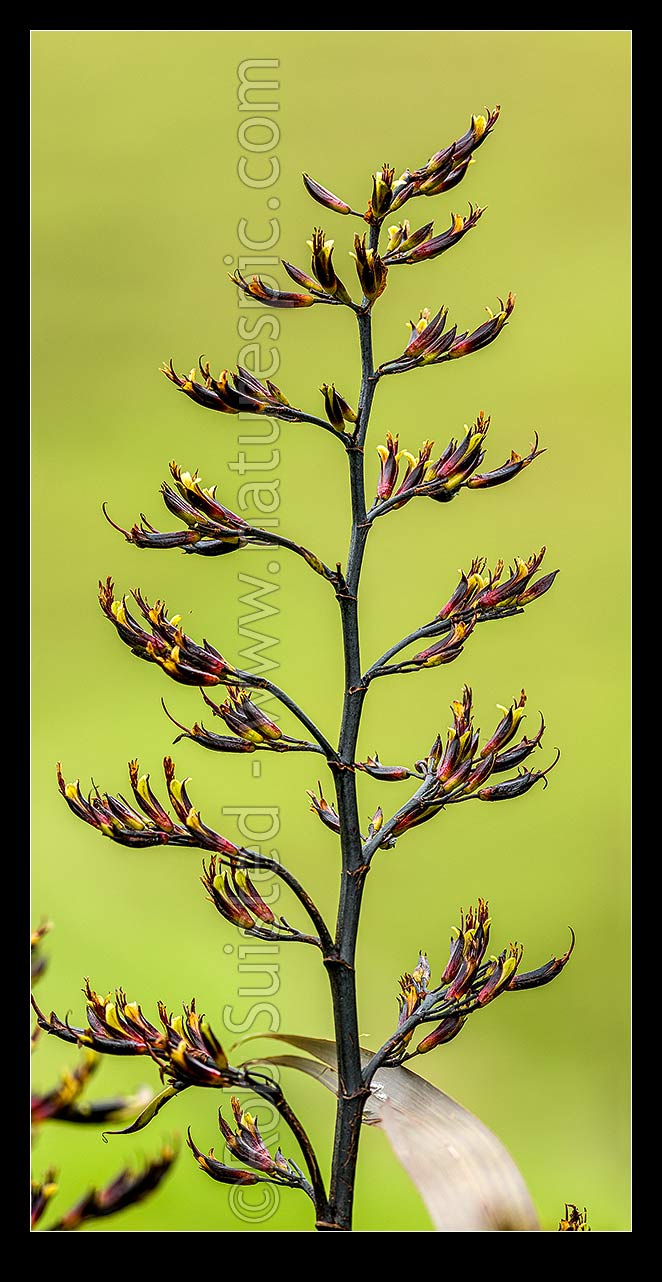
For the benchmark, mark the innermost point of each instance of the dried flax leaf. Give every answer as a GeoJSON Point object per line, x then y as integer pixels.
{"type": "Point", "coordinates": [467, 1179]}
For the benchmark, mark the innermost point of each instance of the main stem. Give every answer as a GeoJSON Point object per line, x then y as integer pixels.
{"type": "Point", "coordinates": [352, 1093]}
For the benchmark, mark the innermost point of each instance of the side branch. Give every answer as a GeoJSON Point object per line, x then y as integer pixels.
{"type": "Point", "coordinates": [211, 529]}
{"type": "Point", "coordinates": [436, 628]}
{"type": "Point", "coordinates": [183, 660]}
{"type": "Point", "coordinates": [481, 596]}
{"type": "Point", "coordinates": [271, 1091]}
{"type": "Point", "coordinates": [284, 698]}
{"type": "Point", "coordinates": [459, 769]}
{"type": "Point", "coordinates": [151, 825]}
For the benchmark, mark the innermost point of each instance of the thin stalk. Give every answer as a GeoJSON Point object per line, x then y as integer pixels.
{"type": "Point", "coordinates": [300, 417]}
{"type": "Point", "coordinates": [352, 1090]}
{"type": "Point", "coordinates": [436, 628]}
{"type": "Point", "coordinates": [261, 683]}
{"type": "Point", "coordinates": [251, 859]}
{"type": "Point", "coordinates": [271, 1091]}
{"type": "Point", "coordinates": [280, 541]}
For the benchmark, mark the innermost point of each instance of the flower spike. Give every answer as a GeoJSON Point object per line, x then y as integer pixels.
{"type": "Point", "coordinates": [421, 246]}
{"type": "Point", "coordinates": [126, 1189]}
{"type": "Point", "coordinates": [115, 818]}
{"type": "Point", "coordinates": [443, 478]}
{"type": "Point", "coordinates": [429, 345]}
{"type": "Point", "coordinates": [458, 770]}
{"type": "Point", "coordinates": [247, 1144]}
{"type": "Point", "coordinates": [181, 658]}
{"type": "Point", "coordinates": [470, 981]}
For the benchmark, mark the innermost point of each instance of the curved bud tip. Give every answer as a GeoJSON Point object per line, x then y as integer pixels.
{"type": "Point", "coordinates": [325, 197]}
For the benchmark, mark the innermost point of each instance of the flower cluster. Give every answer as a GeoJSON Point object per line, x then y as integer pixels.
{"type": "Point", "coordinates": [324, 286]}
{"type": "Point", "coordinates": [338, 412]}
{"type": "Point", "coordinates": [211, 528]}
{"type": "Point", "coordinates": [251, 728]}
{"type": "Point", "coordinates": [459, 769]}
{"type": "Point", "coordinates": [370, 269]}
{"type": "Point", "coordinates": [230, 393]}
{"type": "Point", "coordinates": [126, 1189]}
{"type": "Point", "coordinates": [443, 171]}
{"type": "Point", "coordinates": [243, 717]}
{"type": "Point", "coordinates": [447, 167]}
{"type": "Point", "coordinates": [431, 343]}
{"type": "Point", "coordinates": [446, 476]}
{"type": "Point", "coordinates": [246, 1144]}
{"type": "Point", "coordinates": [488, 596]}
{"type": "Point", "coordinates": [238, 900]}
{"type": "Point", "coordinates": [322, 268]}
{"type": "Point", "coordinates": [405, 246]}
{"type": "Point", "coordinates": [64, 1104]}
{"type": "Point", "coordinates": [181, 658]}
{"type": "Point", "coordinates": [574, 1220]}
{"type": "Point", "coordinates": [185, 1049]}
{"type": "Point", "coordinates": [38, 962]}
{"type": "Point", "coordinates": [469, 982]}
{"type": "Point", "coordinates": [114, 817]}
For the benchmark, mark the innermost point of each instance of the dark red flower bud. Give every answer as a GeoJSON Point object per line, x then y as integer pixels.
{"type": "Point", "coordinates": [515, 756]}
{"type": "Point", "coordinates": [324, 197]}
{"type": "Point", "coordinates": [535, 590]}
{"type": "Point", "coordinates": [219, 1170]}
{"type": "Point", "coordinates": [516, 787]}
{"type": "Point", "coordinates": [370, 269]}
{"type": "Point", "coordinates": [324, 810]}
{"type": "Point", "coordinates": [544, 974]}
{"type": "Point", "coordinates": [448, 649]}
{"type": "Point", "coordinates": [501, 971]}
{"type": "Point", "coordinates": [507, 727]}
{"type": "Point", "coordinates": [373, 766]}
{"type": "Point", "coordinates": [442, 1034]}
{"type": "Point", "coordinates": [257, 289]}
{"type": "Point", "coordinates": [510, 468]}
{"type": "Point", "coordinates": [455, 959]}
{"type": "Point", "coordinates": [336, 408]}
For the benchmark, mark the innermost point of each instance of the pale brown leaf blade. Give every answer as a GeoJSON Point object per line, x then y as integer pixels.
{"type": "Point", "coordinates": [321, 1072]}
{"type": "Point", "coordinates": [467, 1179]}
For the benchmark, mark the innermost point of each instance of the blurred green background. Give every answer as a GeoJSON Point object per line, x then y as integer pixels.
{"type": "Point", "coordinates": [137, 203]}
